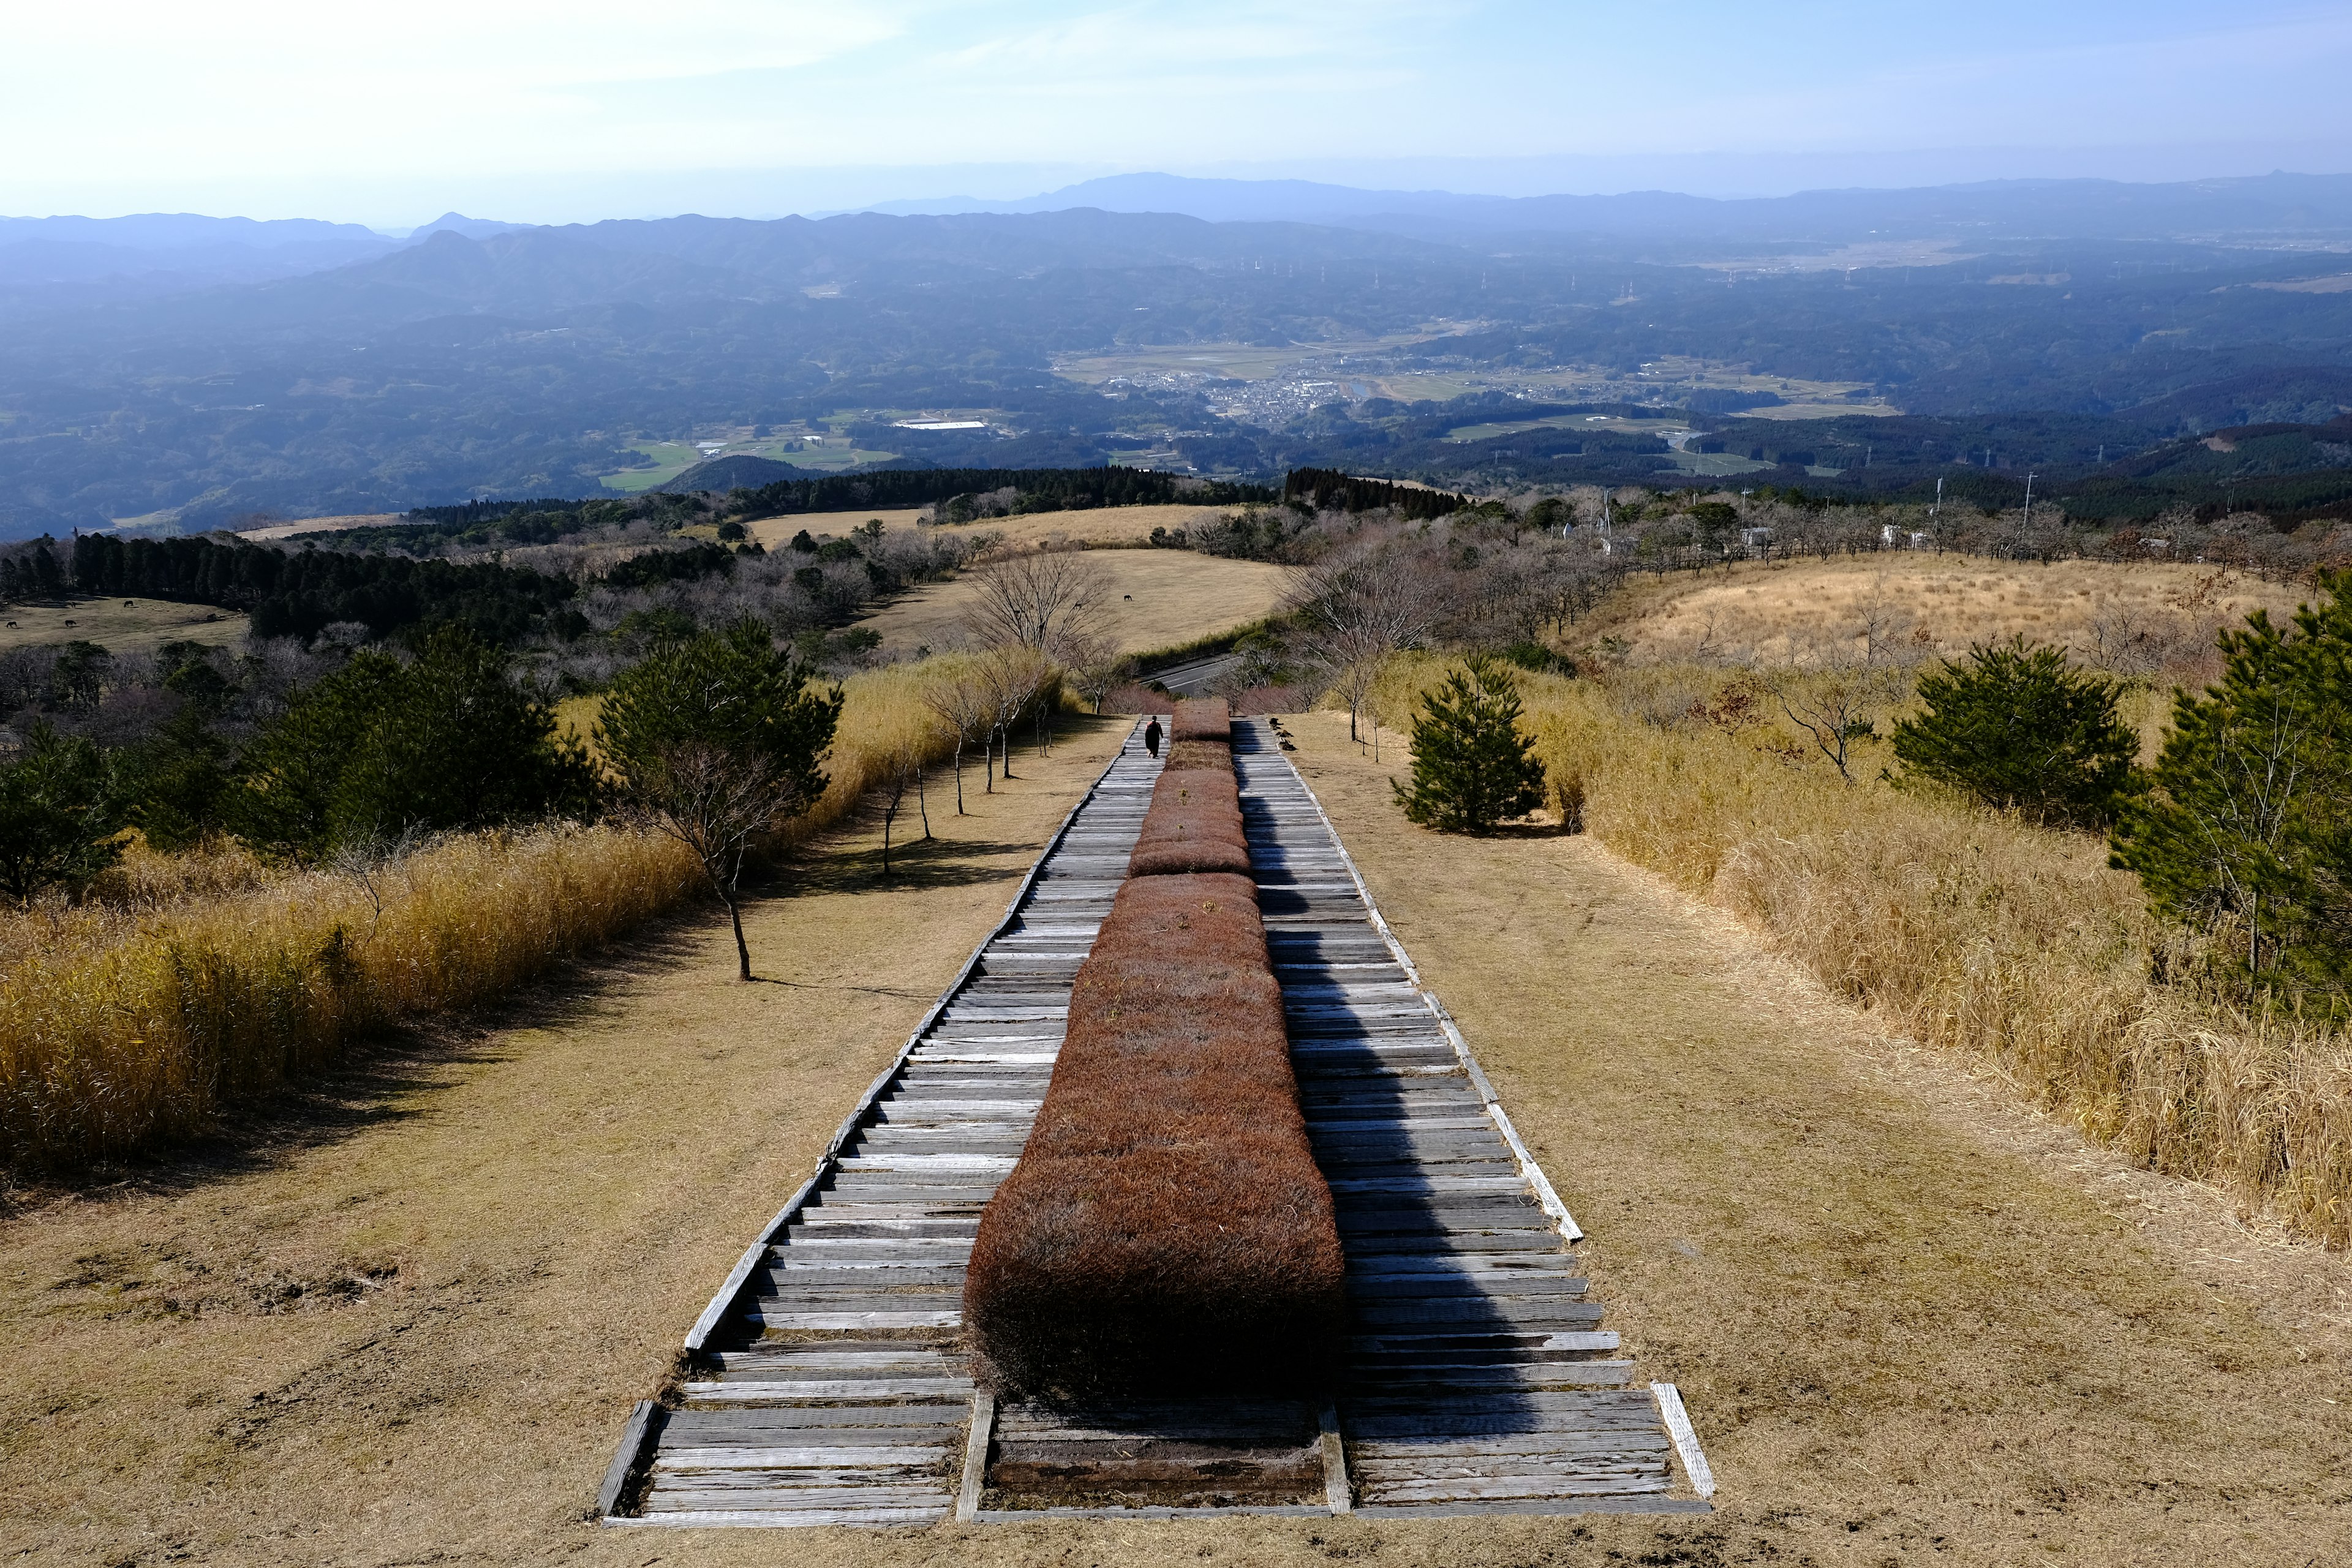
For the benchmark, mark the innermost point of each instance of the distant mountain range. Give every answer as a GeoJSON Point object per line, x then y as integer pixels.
{"type": "Point", "coordinates": [177, 371]}
{"type": "Point", "coordinates": [2276, 203]}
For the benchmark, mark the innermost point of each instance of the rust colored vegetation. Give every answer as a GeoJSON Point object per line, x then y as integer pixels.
{"type": "Point", "coordinates": [1167, 1230]}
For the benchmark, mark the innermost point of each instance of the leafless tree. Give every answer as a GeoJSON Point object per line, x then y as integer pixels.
{"type": "Point", "coordinates": [1051, 602]}
{"type": "Point", "coordinates": [1097, 667]}
{"type": "Point", "coordinates": [905, 767]}
{"type": "Point", "coordinates": [1357, 608]}
{"type": "Point", "coordinates": [1838, 702]}
{"type": "Point", "coordinates": [1010, 676]}
{"type": "Point", "coordinates": [958, 700]}
{"type": "Point", "coordinates": [1884, 623]}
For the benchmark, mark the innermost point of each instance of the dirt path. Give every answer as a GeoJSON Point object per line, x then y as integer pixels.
{"type": "Point", "coordinates": [1910, 1319]}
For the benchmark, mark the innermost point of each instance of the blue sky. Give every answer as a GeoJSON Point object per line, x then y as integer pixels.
{"type": "Point", "coordinates": [557, 110]}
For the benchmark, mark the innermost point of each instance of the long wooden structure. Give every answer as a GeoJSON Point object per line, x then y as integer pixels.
{"type": "Point", "coordinates": [827, 1383]}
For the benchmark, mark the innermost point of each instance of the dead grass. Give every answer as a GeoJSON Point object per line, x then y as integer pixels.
{"type": "Point", "coordinates": [2015, 945]}
{"type": "Point", "coordinates": [2151, 615]}
{"type": "Point", "coordinates": [1167, 1229]}
{"type": "Point", "coordinates": [1912, 1320]}
{"type": "Point", "coordinates": [1159, 598]}
{"type": "Point", "coordinates": [404, 1316]}
{"type": "Point", "coordinates": [119, 625]}
{"type": "Point", "coordinates": [188, 984]}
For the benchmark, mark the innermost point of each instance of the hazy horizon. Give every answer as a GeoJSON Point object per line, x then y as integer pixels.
{"type": "Point", "coordinates": [508, 111]}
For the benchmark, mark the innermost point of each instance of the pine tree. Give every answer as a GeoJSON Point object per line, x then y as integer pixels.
{"type": "Point", "coordinates": [2021, 729]}
{"type": "Point", "coordinates": [1471, 766]}
{"type": "Point", "coordinates": [2248, 825]}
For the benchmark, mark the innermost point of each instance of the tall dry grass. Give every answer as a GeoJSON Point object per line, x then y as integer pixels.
{"type": "Point", "coordinates": [1959, 927]}
{"type": "Point", "coordinates": [180, 984]}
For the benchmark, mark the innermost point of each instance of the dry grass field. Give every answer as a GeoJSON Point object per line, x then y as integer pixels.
{"type": "Point", "coordinates": [1159, 598]}
{"type": "Point", "coordinates": [1913, 1320]}
{"type": "Point", "coordinates": [1787, 611]}
{"type": "Point", "coordinates": [324, 525]}
{"type": "Point", "coordinates": [401, 1318]}
{"type": "Point", "coordinates": [119, 625]}
{"type": "Point", "coordinates": [1109, 525]}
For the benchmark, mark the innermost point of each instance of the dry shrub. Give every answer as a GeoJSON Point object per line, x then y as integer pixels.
{"type": "Point", "coordinates": [1961, 927]}
{"type": "Point", "coordinates": [1194, 824]}
{"type": "Point", "coordinates": [1202, 718]}
{"type": "Point", "coordinates": [182, 983]}
{"type": "Point", "coordinates": [1167, 1229]}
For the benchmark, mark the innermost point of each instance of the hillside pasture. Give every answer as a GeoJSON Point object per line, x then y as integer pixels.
{"type": "Point", "coordinates": [2139, 618]}
{"type": "Point", "coordinates": [118, 626]}
{"type": "Point", "coordinates": [1159, 598]}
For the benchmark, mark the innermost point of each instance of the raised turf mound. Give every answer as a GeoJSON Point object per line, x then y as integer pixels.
{"type": "Point", "coordinates": [1167, 1230]}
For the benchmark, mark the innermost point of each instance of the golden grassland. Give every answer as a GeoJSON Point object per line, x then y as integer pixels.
{"type": "Point", "coordinates": [119, 625]}
{"type": "Point", "coordinates": [1792, 610]}
{"type": "Point", "coordinates": [1959, 928]}
{"type": "Point", "coordinates": [1159, 598]}
{"type": "Point", "coordinates": [188, 984]}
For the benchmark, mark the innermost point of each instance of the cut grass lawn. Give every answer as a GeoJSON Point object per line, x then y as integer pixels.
{"type": "Point", "coordinates": [118, 626]}
{"type": "Point", "coordinates": [1158, 599]}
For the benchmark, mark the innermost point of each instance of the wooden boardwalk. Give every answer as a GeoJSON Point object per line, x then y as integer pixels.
{"type": "Point", "coordinates": [828, 1382]}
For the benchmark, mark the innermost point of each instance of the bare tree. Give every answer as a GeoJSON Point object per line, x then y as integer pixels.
{"type": "Point", "coordinates": [906, 766]}
{"type": "Point", "coordinates": [1051, 602]}
{"type": "Point", "coordinates": [1359, 607]}
{"type": "Point", "coordinates": [1097, 667]}
{"type": "Point", "coordinates": [1011, 676]}
{"type": "Point", "coordinates": [1837, 703]}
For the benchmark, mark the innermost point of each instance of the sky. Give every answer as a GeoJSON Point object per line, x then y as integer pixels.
{"type": "Point", "coordinates": [556, 111]}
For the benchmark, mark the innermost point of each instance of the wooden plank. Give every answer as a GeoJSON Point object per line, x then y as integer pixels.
{"type": "Point", "coordinates": [1685, 1437]}
{"type": "Point", "coordinates": [1468, 1488]}
{"type": "Point", "coordinates": [975, 1456]}
{"type": "Point", "coordinates": [624, 1459]}
{"type": "Point", "coordinates": [1337, 1495]}
{"type": "Point", "coordinates": [846, 1460]}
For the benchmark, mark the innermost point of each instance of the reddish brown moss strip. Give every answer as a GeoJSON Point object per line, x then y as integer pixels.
{"type": "Point", "coordinates": [1194, 824]}
{"type": "Point", "coordinates": [1201, 718]}
{"type": "Point", "coordinates": [1167, 1229]}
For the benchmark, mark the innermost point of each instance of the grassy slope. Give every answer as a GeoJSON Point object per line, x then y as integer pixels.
{"type": "Point", "coordinates": [1772, 611]}
{"type": "Point", "coordinates": [1910, 1319]}
{"type": "Point", "coordinates": [1159, 597]}
{"type": "Point", "coordinates": [120, 626]}
{"type": "Point", "coordinates": [411, 1316]}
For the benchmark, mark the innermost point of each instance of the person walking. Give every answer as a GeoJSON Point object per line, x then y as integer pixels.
{"type": "Point", "coordinates": [1151, 737]}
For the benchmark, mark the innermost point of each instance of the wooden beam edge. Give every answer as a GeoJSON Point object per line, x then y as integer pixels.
{"type": "Point", "coordinates": [1338, 1494]}
{"type": "Point", "coordinates": [1678, 1427]}
{"type": "Point", "coordinates": [975, 1456]}
{"type": "Point", "coordinates": [731, 1290]}
{"type": "Point", "coordinates": [625, 1459]}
